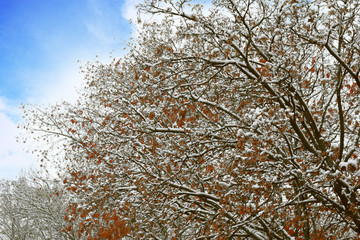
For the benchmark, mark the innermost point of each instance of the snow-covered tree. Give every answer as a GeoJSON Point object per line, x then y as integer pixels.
{"type": "Point", "coordinates": [240, 121]}
{"type": "Point", "coordinates": [32, 207]}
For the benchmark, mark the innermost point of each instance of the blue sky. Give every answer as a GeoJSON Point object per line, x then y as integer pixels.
{"type": "Point", "coordinates": [41, 42]}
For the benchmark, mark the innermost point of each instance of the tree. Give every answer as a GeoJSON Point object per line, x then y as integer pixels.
{"type": "Point", "coordinates": [242, 122]}
{"type": "Point", "coordinates": [32, 207]}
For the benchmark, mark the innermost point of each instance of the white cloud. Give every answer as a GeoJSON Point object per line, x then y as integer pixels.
{"type": "Point", "coordinates": [129, 10]}
{"type": "Point", "coordinates": [12, 156]}
{"type": "Point", "coordinates": [59, 84]}
{"type": "Point", "coordinates": [56, 76]}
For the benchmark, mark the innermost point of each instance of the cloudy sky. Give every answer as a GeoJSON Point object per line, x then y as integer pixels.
{"type": "Point", "coordinates": [41, 42]}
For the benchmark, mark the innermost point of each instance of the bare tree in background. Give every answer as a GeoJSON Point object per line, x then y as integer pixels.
{"type": "Point", "coordinates": [33, 207]}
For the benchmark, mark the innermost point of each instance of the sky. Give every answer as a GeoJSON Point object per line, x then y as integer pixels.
{"type": "Point", "coordinates": [43, 43]}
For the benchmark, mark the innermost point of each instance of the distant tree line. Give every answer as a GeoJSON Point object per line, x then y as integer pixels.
{"type": "Point", "coordinates": [33, 207]}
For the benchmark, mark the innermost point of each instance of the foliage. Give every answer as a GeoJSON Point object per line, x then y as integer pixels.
{"type": "Point", "coordinates": [238, 122]}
